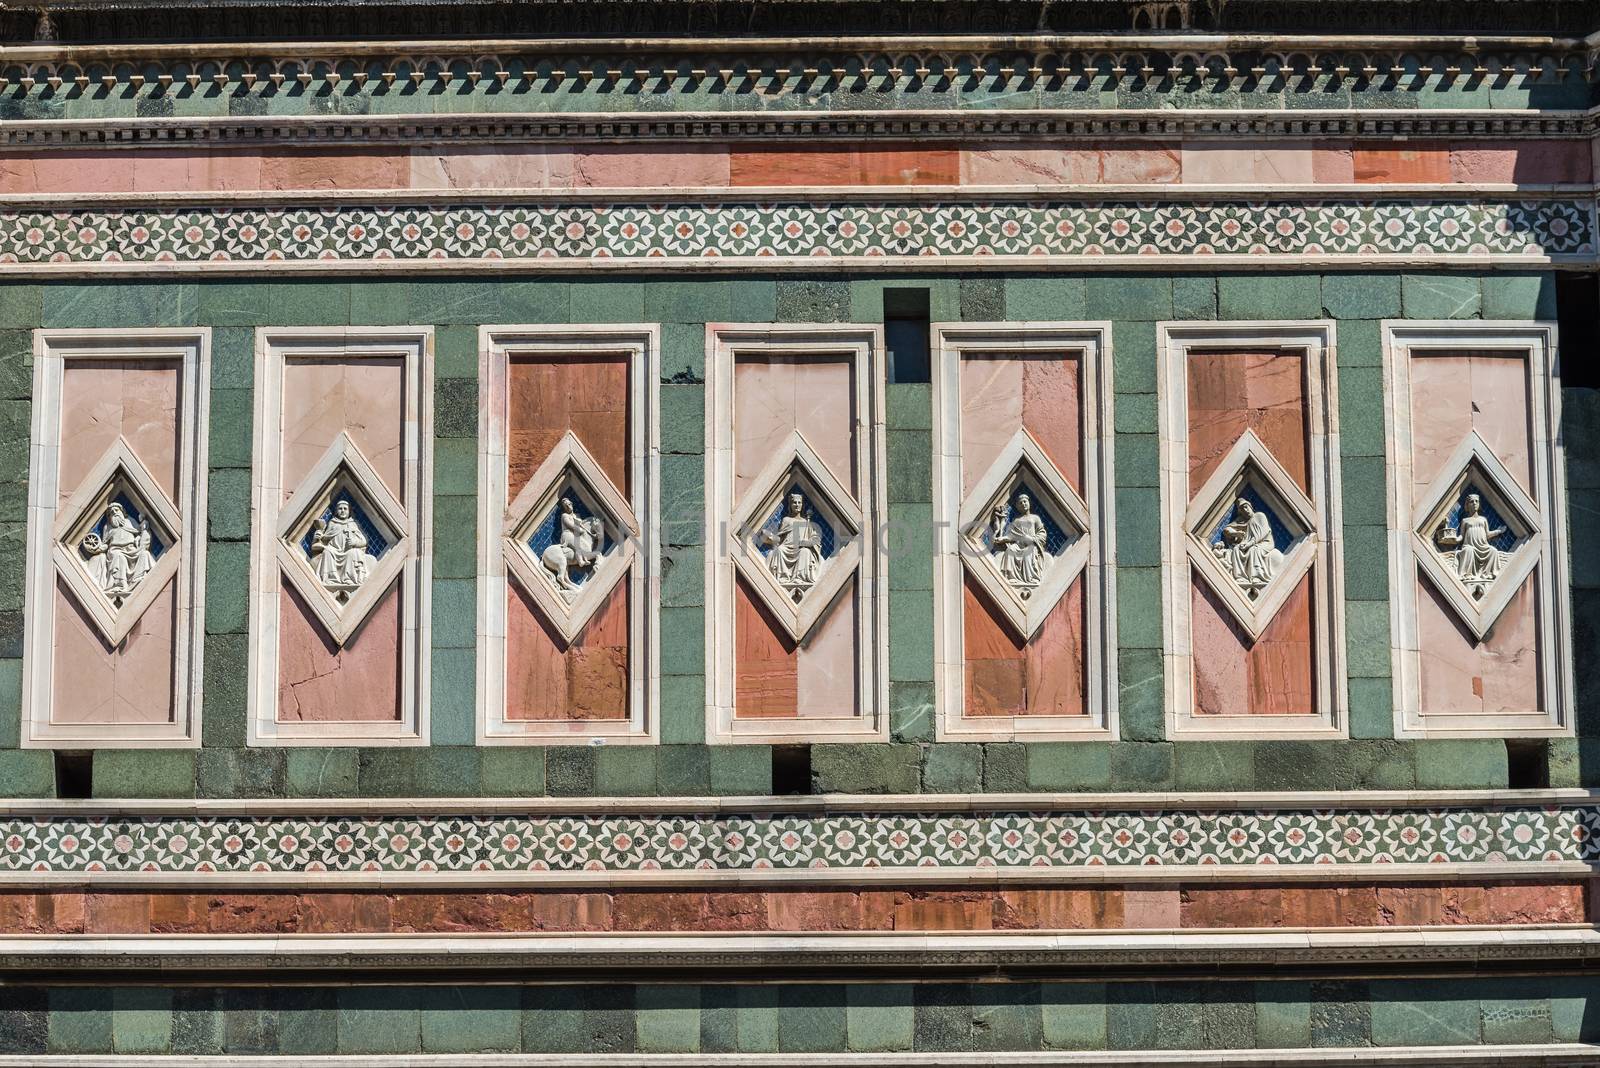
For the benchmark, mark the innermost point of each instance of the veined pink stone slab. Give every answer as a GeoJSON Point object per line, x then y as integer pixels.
{"type": "Point", "coordinates": [1055, 660]}
{"type": "Point", "coordinates": [102, 399]}
{"type": "Point", "coordinates": [17, 174]}
{"type": "Point", "coordinates": [343, 168]}
{"type": "Point", "coordinates": [775, 395]}
{"type": "Point", "coordinates": [82, 172]}
{"type": "Point", "coordinates": [1152, 909]}
{"type": "Point", "coordinates": [547, 680]}
{"type": "Point", "coordinates": [1135, 165]}
{"type": "Point", "coordinates": [1229, 163]}
{"type": "Point", "coordinates": [766, 665]}
{"type": "Point", "coordinates": [991, 412]}
{"type": "Point", "coordinates": [178, 170]}
{"type": "Point", "coordinates": [1261, 391]}
{"type": "Point", "coordinates": [318, 682]}
{"type": "Point", "coordinates": [1461, 676]}
{"type": "Point", "coordinates": [1332, 163]}
{"type": "Point", "coordinates": [1522, 162]}
{"type": "Point", "coordinates": [1004, 391]}
{"type": "Point", "coordinates": [94, 683]}
{"type": "Point", "coordinates": [825, 666]}
{"type": "Point", "coordinates": [365, 397]}
{"type": "Point", "coordinates": [491, 167]}
{"type": "Point", "coordinates": [1275, 675]}
{"type": "Point", "coordinates": [621, 167]}
{"type": "Point", "coordinates": [550, 395]}
{"type": "Point", "coordinates": [1386, 163]}
{"type": "Point", "coordinates": [1452, 395]}
{"type": "Point", "coordinates": [1029, 165]}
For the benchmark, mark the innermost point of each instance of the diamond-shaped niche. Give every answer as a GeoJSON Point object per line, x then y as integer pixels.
{"type": "Point", "coordinates": [115, 541]}
{"type": "Point", "coordinates": [343, 539]}
{"type": "Point", "coordinates": [1475, 535]}
{"type": "Point", "coordinates": [798, 540]}
{"type": "Point", "coordinates": [1251, 533]}
{"type": "Point", "coordinates": [569, 537]}
{"type": "Point", "coordinates": [1024, 534]}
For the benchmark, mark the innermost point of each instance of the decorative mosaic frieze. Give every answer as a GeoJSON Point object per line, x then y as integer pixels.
{"type": "Point", "coordinates": [958, 843]}
{"type": "Point", "coordinates": [795, 230]}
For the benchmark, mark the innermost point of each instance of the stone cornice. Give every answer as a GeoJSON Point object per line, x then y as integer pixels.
{"type": "Point", "coordinates": [1008, 125]}
{"type": "Point", "coordinates": [1176, 955]}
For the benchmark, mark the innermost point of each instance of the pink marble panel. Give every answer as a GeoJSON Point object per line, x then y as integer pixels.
{"type": "Point", "coordinates": [1000, 393]}
{"type": "Point", "coordinates": [178, 170]}
{"type": "Point", "coordinates": [1522, 162]}
{"type": "Point", "coordinates": [775, 395]}
{"type": "Point", "coordinates": [1237, 162]}
{"type": "Point", "coordinates": [1230, 392]}
{"type": "Point", "coordinates": [17, 174]}
{"type": "Point", "coordinates": [131, 683]}
{"type": "Point", "coordinates": [1454, 394]}
{"type": "Point", "coordinates": [549, 680]}
{"type": "Point", "coordinates": [825, 665]}
{"type": "Point", "coordinates": [320, 682]}
{"type": "Point", "coordinates": [1008, 164]}
{"type": "Point", "coordinates": [1006, 676]}
{"type": "Point", "coordinates": [82, 172]}
{"type": "Point", "coordinates": [621, 166]}
{"type": "Point", "coordinates": [365, 397]}
{"type": "Point", "coordinates": [102, 400]}
{"type": "Point", "coordinates": [1332, 163]}
{"type": "Point", "coordinates": [341, 168]}
{"type": "Point", "coordinates": [1463, 676]}
{"type": "Point", "coordinates": [766, 664]}
{"type": "Point", "coordinates": [491, 167]}
{"type": "Point", "coordinates": [1054, 659]}
{"type": "Point", "coordinates": [1274, 675]}
{"type": "Point", "coordinates": [550, 395]}
{"type": "Point", "coordinates": [1137, 165]}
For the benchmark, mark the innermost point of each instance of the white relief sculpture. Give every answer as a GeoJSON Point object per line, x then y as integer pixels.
{"type": "Point", "coordinates": [796, 557]}
{"type": "Point", "coordinates": [1246, 550]}
{"type": "Point", "coordinates": [1471, 542]}
{"type": "Point", "coordinates": [339, 554]}
{"type": "Point", "coordinates": [119, 558]}
{"type": "Point", "coordinates": [576, 549]}
{"type": "Point", "coordinates": [1017, 545]}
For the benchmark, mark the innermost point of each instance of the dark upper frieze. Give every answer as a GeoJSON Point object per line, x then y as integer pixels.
{"type": "Point", "coordinates": [106, 21]}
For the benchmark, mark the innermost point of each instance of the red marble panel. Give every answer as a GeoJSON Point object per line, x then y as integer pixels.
{"type": "Point", "coordinates": [1275, 675]}
{"type": "Point", "coordinates": [322, 682]}
{"type": "Point", "coordinates": [546, 679]}
{"type": "Point", "coordinates": [766, 663]}
{"type": "Point", "coordinates": [549, 395]}
{"type": "Point", "coordinates": [1384, 163]}
{"type": "Point", "coordinates": [1008, 677]}
{"type": "Point", "coordinates": [781, 165]}
{"type": "Point", "coordinates": [945, 911]}
{"type": "Point", "coordinates": [345, 167]}
{"type": "Point", "coordinates": [1058, 909]}
{"type": "Point", "coordinates": [1497, 675]}
{"type": "Point", "coordinates": [1230, 392]}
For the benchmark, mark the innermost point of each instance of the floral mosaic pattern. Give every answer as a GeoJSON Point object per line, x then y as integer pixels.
{"type": "Point", "coordinates": [741, 230]}
{"type": "Point", "coordinates": [504, 844]}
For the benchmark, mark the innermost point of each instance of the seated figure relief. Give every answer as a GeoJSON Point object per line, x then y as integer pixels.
{"type": "Point", "coordinates": [577, 549]}
{"type": "Point", "coordinates": [1246, 549]}
{"type": "Point", "coordinates": [1017, 544]}
{"type": "Point", "coordinates": [1471, 543]}
{"type": "Point", "coordinates": [119, 557]}
{"type": "Point", "coordinates": [339, 553]}
{"type": "Point", "coordinates": [796, 556]}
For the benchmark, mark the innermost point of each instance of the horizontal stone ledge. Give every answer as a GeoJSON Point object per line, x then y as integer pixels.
{"type": "Point", "coordinates": [818, 804]}
{"type": "Point", "coordinates": [874, 877]}
{"type": "Point", "coordinates": [1465, 947]}
{"type": "Point", "coordinates": [1554, 1055]}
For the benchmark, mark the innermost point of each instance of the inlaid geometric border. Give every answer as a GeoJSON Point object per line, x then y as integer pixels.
{"type": "Point", "coordinates": [824, 846]}
{"type": "Point", "coordinates": [551, 233]}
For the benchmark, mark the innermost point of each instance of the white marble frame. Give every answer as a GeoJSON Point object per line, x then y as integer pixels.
{"type": "Point", "coordinates": [1092, 341]}
{"type": "Point", "coordinates": [1314, 339]}
{"type": "Point", "coordinates": [52, 349]}
{"type": "Point", "coordinates": [275, 346]}
{"type": "Point", "coordinates": [863, 344]}
{"type": "Point", "coordinates": [641, 343]}
{"type": "Point", "coordinates": [1404, 341]}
